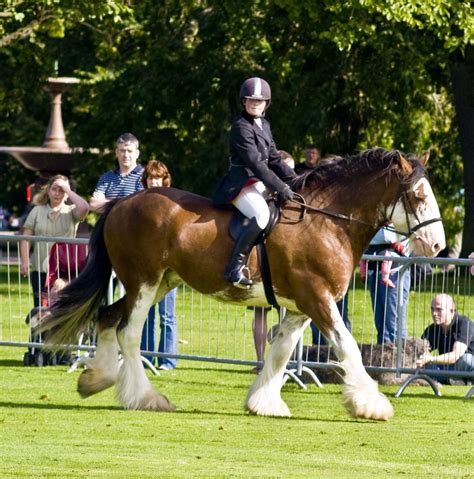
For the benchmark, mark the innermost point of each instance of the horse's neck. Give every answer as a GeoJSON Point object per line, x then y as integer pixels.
{"type": "Point", "coordinates": [362, 203]}
{"type": "Point", "coordinates": [371, 203]}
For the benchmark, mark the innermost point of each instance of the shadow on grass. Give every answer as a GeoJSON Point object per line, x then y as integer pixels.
{"type": "Point", "coordinates": [191, 412]}
{"type": "Point", "coordinates": [247, 415]}
{"type": "Point", "coordinates": [63, 407]}
{"type": "Point", "coordinates": [11, 362]}
{"type": "Point", "coordinates": [455, 394]}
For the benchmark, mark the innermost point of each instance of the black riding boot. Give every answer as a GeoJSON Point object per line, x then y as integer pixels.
{"type": "Point", "coordinates": [238, 259]}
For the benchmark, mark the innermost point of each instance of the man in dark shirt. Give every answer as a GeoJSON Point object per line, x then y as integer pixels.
{"type": "Point", "coordinates": [312, 155]}
{"type": "Point", "coordinates": [451, 334]}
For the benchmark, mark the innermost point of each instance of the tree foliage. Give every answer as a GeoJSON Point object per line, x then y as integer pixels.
{"type": "Point", "coordinates": [345, 75]}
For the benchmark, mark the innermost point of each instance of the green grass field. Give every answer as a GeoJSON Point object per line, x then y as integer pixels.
{"type": "Point", "coordinates": [47, 431]}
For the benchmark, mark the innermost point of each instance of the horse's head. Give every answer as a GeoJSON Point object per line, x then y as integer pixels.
{"type": "Point", "coordinates": [399, 186]}
{"type": "Point", "coordinates": [416, 211]}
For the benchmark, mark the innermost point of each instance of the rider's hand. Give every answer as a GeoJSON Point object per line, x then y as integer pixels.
{"type": "Point", "coordinates": [286, 194]}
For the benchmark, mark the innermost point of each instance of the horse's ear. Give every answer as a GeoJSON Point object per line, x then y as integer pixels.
{"type": "Point", "coordinates": [405, 165]}
{"type": "Point", "coordinates": [424, 157]}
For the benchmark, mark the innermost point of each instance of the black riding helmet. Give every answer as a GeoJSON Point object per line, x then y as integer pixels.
{"type": "Point", "coordinates": [256, 89]}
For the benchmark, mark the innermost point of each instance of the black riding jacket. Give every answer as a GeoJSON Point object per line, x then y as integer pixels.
{"type": "Point", "coordinates": [253, 154]}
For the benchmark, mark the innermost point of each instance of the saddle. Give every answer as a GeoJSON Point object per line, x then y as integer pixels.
{"type": "Point", "coordinates": [236, 224]}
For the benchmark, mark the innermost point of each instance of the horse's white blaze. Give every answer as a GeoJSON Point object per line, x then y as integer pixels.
{"type": "Point", "coordinates": [264, 397]}
{"type": "Point", "coordinates": [432, 237]}
{"type": "Point", "coordinates": [134, 389]}
{"type": "Point", "coordinates": [361, 395]}
{"type": "Point", "coordinates": [429, 240]}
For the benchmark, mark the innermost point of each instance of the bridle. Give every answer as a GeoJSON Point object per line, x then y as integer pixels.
{"type": "Point", "coordinates": [407, 206]}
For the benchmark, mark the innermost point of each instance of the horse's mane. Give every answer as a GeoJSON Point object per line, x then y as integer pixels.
{"type": "Point", "coordinates": [376, 161]}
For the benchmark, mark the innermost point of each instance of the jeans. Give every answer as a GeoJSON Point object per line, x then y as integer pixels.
{"type": "Point", "coordinates": [464, 363]}
{"type": "Point", "coordinates": [168, 331]}
{"type": "Point", "coordinates": [343, 308]}
{"type": "Point", "coordinates": [385, 304]}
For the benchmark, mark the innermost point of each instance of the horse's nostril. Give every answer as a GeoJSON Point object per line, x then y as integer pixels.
{"type": "Point", "coordinates": [436, 248]}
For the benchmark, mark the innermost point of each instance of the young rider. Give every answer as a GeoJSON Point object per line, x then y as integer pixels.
{"type": "Point", "coordinates": [255, 167]}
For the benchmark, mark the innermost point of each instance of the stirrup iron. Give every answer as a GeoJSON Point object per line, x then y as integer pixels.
{"type": "Point", "coordinates": [243, 277]}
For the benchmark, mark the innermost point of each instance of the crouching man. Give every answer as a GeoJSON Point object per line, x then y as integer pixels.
{"type": "Point", "coordinates": [452, 335]}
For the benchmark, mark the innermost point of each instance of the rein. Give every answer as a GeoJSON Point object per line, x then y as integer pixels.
{"type": "Point", "coordinates": [411, 230]}
{"type": "Point", "coordinates": [302, 202]}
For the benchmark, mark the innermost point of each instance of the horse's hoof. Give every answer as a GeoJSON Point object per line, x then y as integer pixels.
{"type": "Point", "coordinates": [90, 383]}
{"type": "Point", "coordinates": [368, 406]}
{"type": "Point", "coordinates": [152, 401]}
{"type": "Point", "coordinates": [275, 408]}
{"type": "Point", "coordinates": [280, 411]}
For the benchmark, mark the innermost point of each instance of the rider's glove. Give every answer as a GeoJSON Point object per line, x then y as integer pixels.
{"type": "Point", "coordinates": [286, 194]}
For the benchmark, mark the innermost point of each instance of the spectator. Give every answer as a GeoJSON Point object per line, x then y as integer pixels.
{"type": "Point", "coordinates": [452, 335]}
{"type": "Point", "coordinates": [312, 156]}
{"type": "Point", "coordinates": [124, 180]}
{"type": "Point", "coordinates": [454, 246]}
{"type": "Point", "coordinates": [66, 261]}
{"type": "Point", "coordinates": [255, 166]}
{"type": "Point", "coordinates": [50, 217]}
{"type": "Point", "coordinates": [156, 174]}
{"type": "Point", "coordinates": [259, 328]}
{"type": "Point", "coordinates": [383, 279]}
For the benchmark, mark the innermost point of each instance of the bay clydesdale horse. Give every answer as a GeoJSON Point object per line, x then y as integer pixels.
{"type": "Point", "coordinates": [161, 237]}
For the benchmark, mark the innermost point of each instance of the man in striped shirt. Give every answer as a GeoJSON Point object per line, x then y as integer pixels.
{"type": "Point", "coordinates": [123, 181]}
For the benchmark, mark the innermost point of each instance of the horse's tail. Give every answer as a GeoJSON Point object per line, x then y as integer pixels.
{"type": "Point", "coordinates": [74, 311]}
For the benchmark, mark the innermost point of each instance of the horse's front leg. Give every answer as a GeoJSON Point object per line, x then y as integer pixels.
{"type": "Point", "coordinates": [133, 388]}
{"type": "Point", "coordinates": [264, 397]}
{"type": "Point", "coordinates": [362, 397]}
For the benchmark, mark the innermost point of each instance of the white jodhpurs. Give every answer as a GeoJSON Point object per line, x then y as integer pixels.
{"type": "Point", "coordinates": [251, 203]}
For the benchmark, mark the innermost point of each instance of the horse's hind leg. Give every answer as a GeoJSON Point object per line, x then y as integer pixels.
{"type": "Point", "coordinates": [134, 390]}
{"type": "Point", "coordinates": [102, 369]}
{"type": "Point", "coordinates": [361, 395]}
{"type": "Point", "coordinates": [264, 397]}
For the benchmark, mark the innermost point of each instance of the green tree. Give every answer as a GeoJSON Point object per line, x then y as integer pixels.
{"type": "Point", "coordinates": [31, 36]}
{"type": "Point", "coordinates": [346, 75]}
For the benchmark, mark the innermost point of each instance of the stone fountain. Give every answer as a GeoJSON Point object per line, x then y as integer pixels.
{"type": "Point", "coordinates": [55, 155]}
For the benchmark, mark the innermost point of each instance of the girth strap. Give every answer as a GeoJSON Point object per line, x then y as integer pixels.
{"type": "Point", "coordinates": [266, 275]}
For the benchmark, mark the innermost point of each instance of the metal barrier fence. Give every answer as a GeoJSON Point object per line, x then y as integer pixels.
{"type": "Point", "coordinates": [221, 333]}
